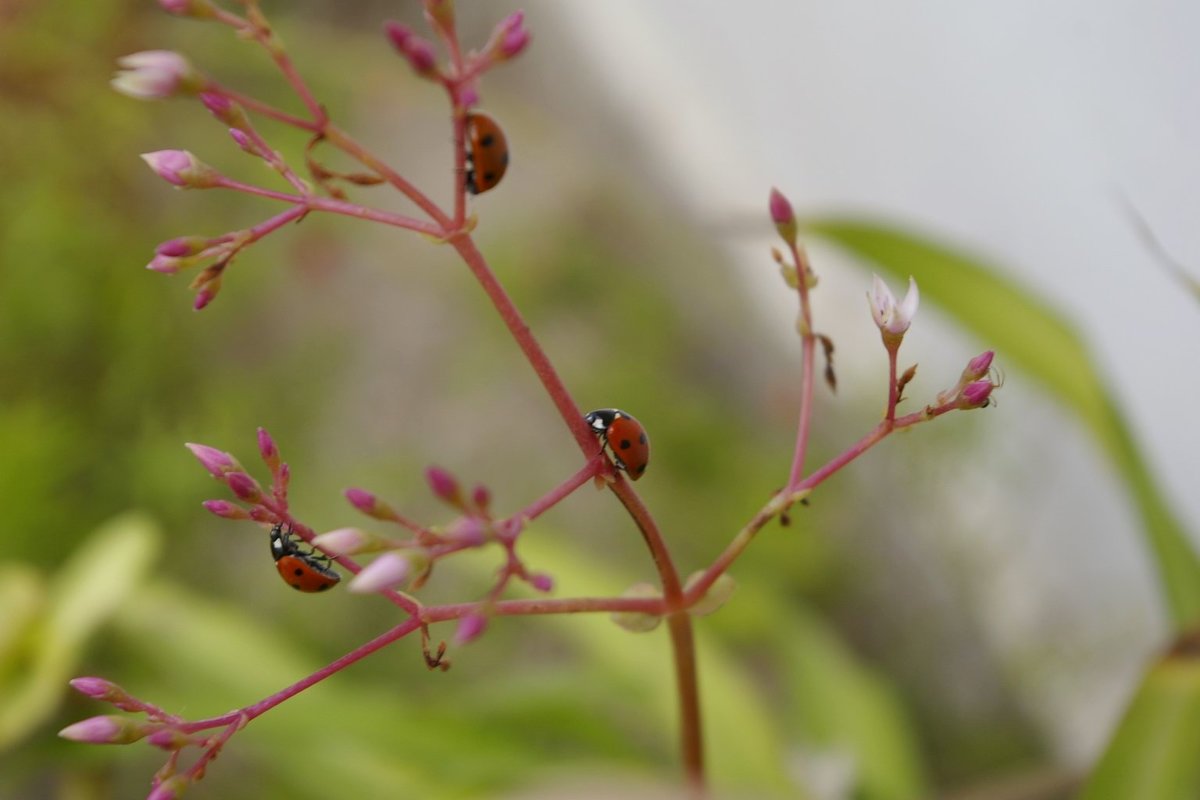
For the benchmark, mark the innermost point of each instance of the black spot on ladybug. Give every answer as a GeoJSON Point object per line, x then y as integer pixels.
{"type": "Point", "coordinates": [489, 176]}
{"type": "Point", "coordinates": [298, 572]}
{"type": "Point", "coordinates": [324, 586]}
{"type": "Point", "coordinates": [487, 140]}
{"type": "Point", "coordinates": [642, 439]}
{"type": "Point", "coordinates": [504, 158]}
{"type": "Point", "coordinates": [641, 468]}
{"type": "Point", "coordinates": [626, 444]}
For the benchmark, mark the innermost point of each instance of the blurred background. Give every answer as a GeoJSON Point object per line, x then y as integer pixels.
{"type": "Point", "coordinates": [963, 613]}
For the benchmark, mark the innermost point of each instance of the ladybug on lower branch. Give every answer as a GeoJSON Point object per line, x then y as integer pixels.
{"type": "Point", "coordinates": [625, 438]}
{"type": "Point", "coordinates": [487, 152]}
{"type": "Point", "coordinates": [303, 571]}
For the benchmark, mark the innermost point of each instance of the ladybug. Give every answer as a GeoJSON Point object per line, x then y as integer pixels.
{"type": "Point", "coordinates": [487, 152]}
{"type": "Point", "coordinates": [625, 437]}
{"type": "Point", "coordinates": [306, 572]}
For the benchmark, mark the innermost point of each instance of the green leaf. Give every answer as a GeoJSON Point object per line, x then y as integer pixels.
{"type": "Point", "coordinates": [1028, 334]}
{"type": "Point", "coordinates": [1152, 755]}
{"type": "Point", "coordinates": [83, 595]}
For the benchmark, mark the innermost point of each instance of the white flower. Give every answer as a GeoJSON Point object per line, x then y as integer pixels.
{"type": "Point", "coordinates": [893, 318]}
{"type": "Point", "coordinates": [153, 74]}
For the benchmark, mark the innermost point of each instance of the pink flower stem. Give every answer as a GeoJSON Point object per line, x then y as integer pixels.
{"type": "Point", "coordinates": [274, 223]}
{"type": "Point", "coordinates": [543, 606]}
{"type": "Point", "coordinates": [259, 107]}
{"type": "Point", "coordinates": [564, 489]}
{"type": "Point", "coordinates": [344, 142]}
{"type": "Point", "coordinates": [248, 713]}
{"type": "Point", "coordinates": [784, 499]}
{"type": "Point", "coordinates": [332, 206]}
{"type": "Point", "coordinates": [808, 343]}
{"type": "Point", "coordinates": [679, 623]}
{"type": "Point", "coordinates": [459, 123]}
{"type": "Point", "coordinates": [551, 382]}
{"type": "Point", "coordinates": [892, 352]}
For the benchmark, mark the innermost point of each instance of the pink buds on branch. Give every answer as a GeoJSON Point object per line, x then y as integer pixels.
{"type": "Point", "coordinates": [155, 75]}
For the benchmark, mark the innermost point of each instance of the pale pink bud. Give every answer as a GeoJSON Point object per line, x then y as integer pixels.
{"type": "Point", "coordinates": [389, 570]}
{"type": "Point", "coordinates": [97, 688]}
{"type": "Point", "coordinates": [218, 462]}
{"type": "Point", "coordinates": [444, 486]}
{"type": "Point", "coordinates": [369, 504]}
{"type": "Point", "coordinates": [225, 110]}
{"type": "Point", "coordinates": [182, 169]}
{"type": "Point", "coordinates": [266, 447]}
{"type": "Point", "coordinates": [243, 140]}
{"type": "Point", "coordinates": [783, 216]}
{"type": "Point", "coordinates": [188, 8]}
{"type": "Point", "coordinates": [542, 582]}
{"type": "Point", "coordinates": [468, 530]}
{"type": "Point", "coordinates": [481, 497]}
{"type": "Point", "coordinates": [226, 509]}
{"type": "Point", "coordinates": [245, 487]}
{"type": "Point", "coordinates": [978, 366]}
{"type": "Point", "coordinates": [155, 74]}
{"type": "Point", "coordinates": [893, 318]}
{"type": "Point", "coordinates": [169, 739]}
{"type": "Point", "coordinates": [170, 789]}
{"type": "Point", "coordinates": [470, 628]}
{"type": "Point", "coordinates": [203, 298]}
{"type": "Point", "coordinates": [509, 38]}
{"type": "Point", "coordinates": [418, 52]}
{"type": "Point", "coordinates": [345, 541]}
{"type": "Point", "coordinates": [167, 265]}
{"type": "Point", "coordinates": [182, 246]}
{"type": "Point", "coordinates": [466, 94]}
{"type": "Point", "coordinates": [977, 394]}
{"type": "Point", "coordinates": [109, 729]}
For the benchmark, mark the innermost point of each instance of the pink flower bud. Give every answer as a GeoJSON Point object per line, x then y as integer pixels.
{"type": "Point", "coordinates": [542, 582]}
{"type": "Point", "coordinates": [188, 8]}
{"type": "Point", "coordinates": [226, 509]}
{"type": "Point", "coordinates": [225, 110]}
{"type": "Point", "coordinates": [167, 265]}
{"type": "Point", "coordinates": [170, 789]}
{"type": "Point", "coordinates": [389, 570]}
{"type": "Point", "coordinates": [345, 541]}
{"type": "Point", "coordinates": [266, 447]}
{"type": "Point", "coordinates": [245, 487]}
{"type": "Point", "coordinates": [470, 628]}
{"type": "Point", "coordinates": [444, 486]}
{"type": "Point", "coordinates": [481, 497]}
{"type": "Point", "coordinates": [361, 499]}
{"type": "Point", "coordinates": [466, 95]}
{"type": "Point", "coordinates": [468, 531]}
{"type": "Point", "coordinates": [108, 729]}
{"type": "Point", "coordinates": [783, 216]}
{"type": "Point", "coordinates": [155, 74]}
{"type": "Point", "coordinates": [97, 688]}
{"type": "Point", "coordinates": [978, 366]}
{"type": "Point", "coordinates": [182, 246]}
{"type": "Point", "coordinates": [977, 394]}
{"type": "Point", "coordinates": [242, 140]}
{"type": "Point", "coordinates": [510, 37]}
{"type": "Point", "coordinates": [204, 297]}
{"type": "Point", "coordinates": [181, 168]}
{"type": "Point", "coordinates": [417, 51]}
{"type": "Point", "coordinates": [218, 462]}
{"type": "Point", "coordinates": [169, 739]}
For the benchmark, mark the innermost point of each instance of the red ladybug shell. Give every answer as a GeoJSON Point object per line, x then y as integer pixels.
{"type": "Point", "coordinates": [487, 151]}
{"type": "Point", "coordinates": [625, 437]}
{"type": "Point", "coordinates": [305, 572]}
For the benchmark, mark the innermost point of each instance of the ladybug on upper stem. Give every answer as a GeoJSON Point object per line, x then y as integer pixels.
{"type": "Point", "coordinates": [487, 152]}
{"type": "Point", "coordinates": [303, 571]}
{"type": "Point", "coordinates": [625, 437]}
